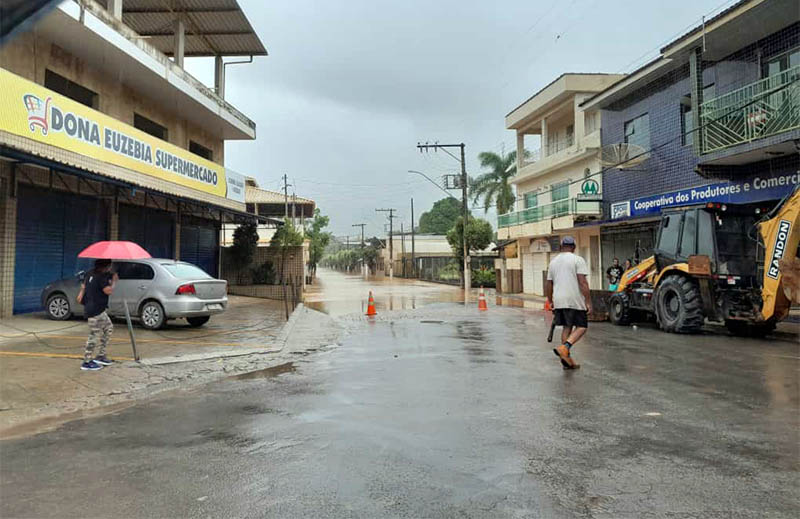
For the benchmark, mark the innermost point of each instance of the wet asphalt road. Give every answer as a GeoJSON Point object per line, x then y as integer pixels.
{"type": "Point", "coordinates": [468, 417]}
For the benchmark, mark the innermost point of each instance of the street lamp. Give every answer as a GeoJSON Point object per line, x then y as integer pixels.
{"type": "Point", "coordinates": [432, 182]}
{"type": "Point", "coordinates": [463, 234]}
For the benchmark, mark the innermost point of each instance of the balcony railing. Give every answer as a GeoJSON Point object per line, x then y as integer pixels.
{"type": "Point", "coordinates": [555, 146]}
{"type": "Point", "coordinates": [538, 213]}
{"type": "Point", "coordinates": [760, 109]}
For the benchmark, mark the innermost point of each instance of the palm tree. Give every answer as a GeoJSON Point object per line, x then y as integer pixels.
{"type": "Point", "coordinates": [493, 186]}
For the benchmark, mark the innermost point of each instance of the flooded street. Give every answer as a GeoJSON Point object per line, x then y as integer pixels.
{"type": "Point", "coordinates": [336, 293]}
{"type": "Point", "coordinates": [432, 409]}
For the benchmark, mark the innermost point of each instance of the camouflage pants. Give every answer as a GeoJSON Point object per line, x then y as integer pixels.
{"type": "Point", "coordinates": [100, 328]}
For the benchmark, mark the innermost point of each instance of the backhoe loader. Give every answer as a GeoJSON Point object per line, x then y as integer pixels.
{"type": "Point", "coordinates": [722, 262]}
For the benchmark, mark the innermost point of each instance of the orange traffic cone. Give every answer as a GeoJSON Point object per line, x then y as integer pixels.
{"type": "Point", "coordinates": [371, 305]}
{"type": "Point", "coordinates": [482, 301]}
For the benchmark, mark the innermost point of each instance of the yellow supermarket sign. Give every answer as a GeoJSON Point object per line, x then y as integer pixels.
{"type": "Point", "coordinates": [32, 111]}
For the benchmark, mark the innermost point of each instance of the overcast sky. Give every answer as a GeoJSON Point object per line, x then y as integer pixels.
{"type": "Point", "coordinates": [351, 86]}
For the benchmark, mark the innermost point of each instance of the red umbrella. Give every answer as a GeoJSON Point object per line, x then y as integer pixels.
{"type": "Point", "coordinates": [114, 250]}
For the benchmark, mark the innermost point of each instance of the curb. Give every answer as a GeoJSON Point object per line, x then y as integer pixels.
{"type": "Point", "coordinates": [289, 326]}
{"type": "Point", "coordinates": [283, 336]}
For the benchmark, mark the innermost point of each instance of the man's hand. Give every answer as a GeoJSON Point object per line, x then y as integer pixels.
{"type": "Point", "coordinates": [589, 308]}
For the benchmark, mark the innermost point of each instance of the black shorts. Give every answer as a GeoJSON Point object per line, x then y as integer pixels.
{"type": "Point", "coordinates": [570, 317]}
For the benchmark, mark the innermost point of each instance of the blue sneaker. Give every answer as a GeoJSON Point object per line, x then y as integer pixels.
{"type": "Point", "coordinates": [91, 366]}
{"type": "Point", "coordinates": [104, 361]}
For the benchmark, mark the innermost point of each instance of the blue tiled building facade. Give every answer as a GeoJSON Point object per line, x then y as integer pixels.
{"type": "Point", "coordinates": [702, 119]}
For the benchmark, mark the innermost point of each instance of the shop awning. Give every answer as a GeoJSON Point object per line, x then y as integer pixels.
{"type": "Point", "coordinates": [224, 214]}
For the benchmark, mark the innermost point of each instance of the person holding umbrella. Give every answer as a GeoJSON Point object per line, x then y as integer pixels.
{"type": "Point", "coordinates": [93, 296]}
{"type": "Point", "coordinates": [98, 286]}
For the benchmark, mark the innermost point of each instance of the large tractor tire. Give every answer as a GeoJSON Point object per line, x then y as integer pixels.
{"type": "Point", "coordinates": [747, 329]}
{"type": "Point", "coordinates": [679, 307]}
{"type": "Point", "coordinates": [619, 309]}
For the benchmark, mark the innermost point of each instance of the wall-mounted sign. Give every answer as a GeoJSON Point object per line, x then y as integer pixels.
{"type": "Point", "coordinates": [541, 245]}
{"type": "Point", "coordinates": [510, 250]}
{"type": "Point", "coordinates": [34, 112]}
{"type": "Point", "coordinates": [621, 209]}
{"type": "Point", "coordinates": [590, 187]}
{"type": "Point", "coordinates": [236, 186]}
{"type": "Point", "coordinates": [755, 189]}
{"type": "Point", "coordinates": [590, 191]}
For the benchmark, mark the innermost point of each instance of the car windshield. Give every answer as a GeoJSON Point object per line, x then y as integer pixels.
{"type": "Point", "coordinates": [184, 271]}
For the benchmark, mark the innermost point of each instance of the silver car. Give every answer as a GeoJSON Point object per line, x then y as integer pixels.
{"type": "Point", "coordinates": [155, 291]}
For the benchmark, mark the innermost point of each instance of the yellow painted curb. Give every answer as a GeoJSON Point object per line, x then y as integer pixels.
{"type": "Point", "coordinates": [51, 355]}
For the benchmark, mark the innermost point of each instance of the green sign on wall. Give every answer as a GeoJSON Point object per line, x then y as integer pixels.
{"type": "Point", "coordinates": [590, 190]}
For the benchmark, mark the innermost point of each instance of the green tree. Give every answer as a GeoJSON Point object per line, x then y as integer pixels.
{"type": "Point", "coordinates": [319, 239]}
{"type": "Point", "coordinates": [286, 236]}
{"type": "Point", "coordinates": [245, 241]}
{"type": "Point", "coordinates": [441, 217]}
{"type": "Point", "coordinates": [479, 236]}
{"type": "Point", "coordinates": [493, 186]}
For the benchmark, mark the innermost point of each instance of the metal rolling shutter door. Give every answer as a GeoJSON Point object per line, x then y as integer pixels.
{"type": "Point", "coordinates": [208, 250]}
{"type": "Point", "coordinates": [52, 228]}
{"type": "Point", "coordinates": [160, 238]}
{"type": "Point", "coordinates": [200, 246]}
{"type": "Point", "coordinates": [85, 222]}
{"type": "Point", "coordinates": [540, 265]}
{"type": "Point", "coordinates": [152, 229]}
{"type": "Point", "coordinates": [528, 285]}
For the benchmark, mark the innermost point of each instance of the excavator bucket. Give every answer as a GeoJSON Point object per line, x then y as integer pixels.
{"type": "Point", "coordinates": [781, 236]}
{"type": "Point", "coordinates": [790, 274]}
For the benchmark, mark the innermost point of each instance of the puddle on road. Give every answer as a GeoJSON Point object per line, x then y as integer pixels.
{"type": "Point", "coordinates": [274, 371]}
{"type": "Point", "coordinates": [518, 303]}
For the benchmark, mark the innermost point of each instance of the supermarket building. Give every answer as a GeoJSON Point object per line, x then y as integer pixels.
{"type": "Point", "coordinates": [104, 135]}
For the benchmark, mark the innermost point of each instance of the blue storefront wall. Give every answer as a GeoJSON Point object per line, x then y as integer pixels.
{"type": "Point", "coordinates": [671, 164]}
{"type": "Point", "coordinates": [52, 228]}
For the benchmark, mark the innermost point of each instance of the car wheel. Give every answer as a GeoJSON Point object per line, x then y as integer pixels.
{"type": "Point", "coordinates": [679, 306]}
{"type": "Point", "coordinates": [152, 315]}
{"type": "Point", "coordinates": [58, 307]}
{"type": "Point", "coordinates": [194, 322]}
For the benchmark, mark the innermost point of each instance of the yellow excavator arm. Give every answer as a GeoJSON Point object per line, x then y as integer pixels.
{"type": "Point", "coordinates": [780, 233]}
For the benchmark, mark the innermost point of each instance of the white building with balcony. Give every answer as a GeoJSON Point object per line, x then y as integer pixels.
{"type": "Point", "coordinates": [558, 180]}
{"type": "Point", "coordinates": [104, 135]}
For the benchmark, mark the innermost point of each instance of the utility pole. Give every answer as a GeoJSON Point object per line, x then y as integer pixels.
{"type": "Point", "coordinates": [403, 248]}
{"type": "Point", "coordinates": [362, 231]}
{"type": "Point", "coordinates": [413, 260]}
{"type": "Point", "coordinates": [285, 197]}
{"type": "Point", "coordinates": [391, 255]}
{"type": "Point", "coordinates": [467, 262]}
{"type": "Point", "coordinates": [467, 259]}
{"type": "Point", "coordinates": [363, 263]}
{"type": "Point", "coordinates": [294, 209]}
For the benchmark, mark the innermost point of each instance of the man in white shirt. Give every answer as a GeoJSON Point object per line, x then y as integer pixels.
{"type": "Point", "coordinates": [567, 291]}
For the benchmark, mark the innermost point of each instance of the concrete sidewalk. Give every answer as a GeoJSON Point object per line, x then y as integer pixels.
{"type": "Point", "coordinates": [41, 383]}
